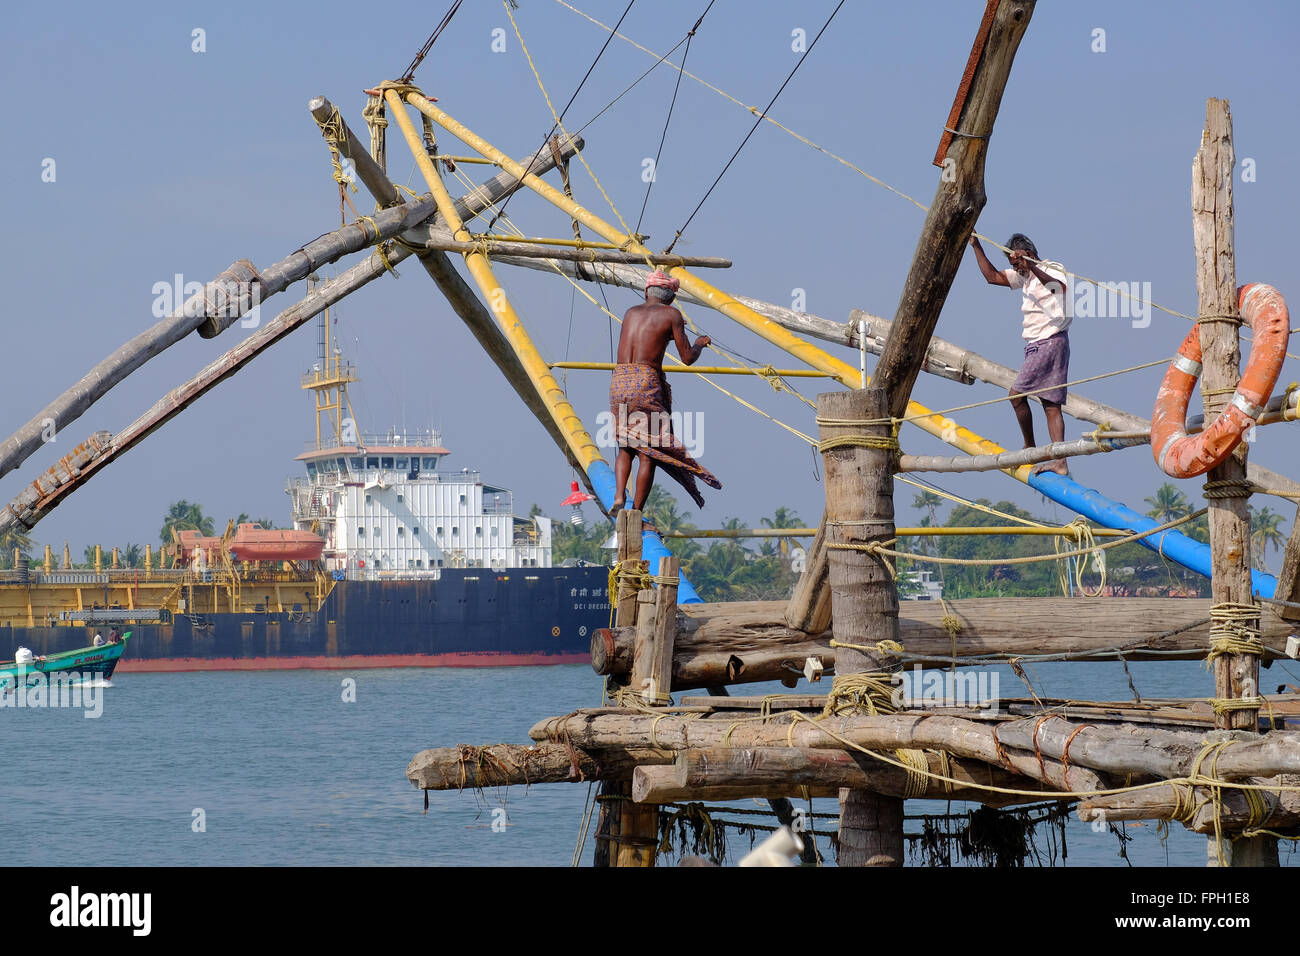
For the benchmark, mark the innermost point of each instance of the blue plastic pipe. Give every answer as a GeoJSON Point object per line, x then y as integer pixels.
{"type": "Point", "coordinates": [652, 546]}
{"type": "Point", "coordinates": [1174, 545]}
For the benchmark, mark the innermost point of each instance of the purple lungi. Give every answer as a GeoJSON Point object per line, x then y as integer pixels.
{"type": "Point", "coordinates": [1047, 363]}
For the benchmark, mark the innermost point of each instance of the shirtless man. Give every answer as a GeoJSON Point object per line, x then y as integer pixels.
{"type": "Point", "coordinates": [641, 401]}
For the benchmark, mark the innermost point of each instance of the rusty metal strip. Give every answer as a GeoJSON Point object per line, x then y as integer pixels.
{"type": "Point", "coordinates": [959, 104]}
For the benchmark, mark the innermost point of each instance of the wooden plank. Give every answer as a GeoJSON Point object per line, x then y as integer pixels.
{"type": "Point", "coordinates": [665, 631]}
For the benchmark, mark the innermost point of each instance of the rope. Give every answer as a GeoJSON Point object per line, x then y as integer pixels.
{"type": "Point", "coordinates": [668, 120]}
{"type": "Point", "coordinates": [870, 693]}
{"type": "Point", "coordinates": [1035, 391]}
{"type": "Point", "coordinates": [878, 547]}
{"type": "Point", "coordinates": [1234, 629]}
{"type": "Point", "coordinates": [1083, 538]}
{"type": "Point", "coordinates": [758, 119]}
{"type": "Point", "coordinates": [1228, 488]}
{"type": "Point", "coordinates": [559, 117]}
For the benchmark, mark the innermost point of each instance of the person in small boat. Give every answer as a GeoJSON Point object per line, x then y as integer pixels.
{"type": "Point", "coordinates": [114, 636]}
{"type": "Point", "coordinates": [640, 401]}
{"type": "Point", "coordinates": [1046, 368]}
{"type": "Point", "coordinates": [99, 639]}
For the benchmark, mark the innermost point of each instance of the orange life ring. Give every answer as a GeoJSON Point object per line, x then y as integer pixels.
{"type": "Point", "coordinates": [1181, 455]}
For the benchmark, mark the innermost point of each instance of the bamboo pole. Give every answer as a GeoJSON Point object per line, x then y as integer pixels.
{"type": "Point", "coordinates": [1013, 459]}
{"type": "Point", "coordinates": [561, 411]}
{"type": "Point", "coordinates": [496, 247]}
{"type": "Point", "coordinates": [920, 531]}
{"type": "Point", "coordinates": [699, 369]}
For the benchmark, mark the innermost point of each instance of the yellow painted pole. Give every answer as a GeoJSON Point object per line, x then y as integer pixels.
{"type": "Point", "coordinates": [571, 243]}
{"type": "Point", "coordinates": [570, 424]}
{"type": "Point", "coordinates": [918, 532]}
{"type": "Point", "coordinates": [940, 426]}
{"type": "Point", "coordinates": [699, 369]}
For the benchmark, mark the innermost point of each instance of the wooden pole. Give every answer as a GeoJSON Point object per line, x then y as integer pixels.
{"type": "Point", "coordinates": [809, 609]}
{"type": "Point", "coordinates": [625, 831]}
{"type": "Point", "coordinates": [955, 208]}
{"type": "Point", "coordinates": [1236, 676]}
{"type": "Point", "coordinates": [864, 600]}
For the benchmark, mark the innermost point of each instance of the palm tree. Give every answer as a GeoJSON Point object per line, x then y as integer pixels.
{"type": "Point", "coordinates": [10, 540]}
{"type": "Point", "coordinates": [784, 517]}
{"type": "Point", "coordinates": [928, 501]}
{"type": "Point", "coordinates": [662, 509]}
{"type": "Point", "coordinates": [1265, 530]}
{"type": "Point", "coordinates": [130, 555]}
{"type": "Point", "coordinates": [184, 516]}
{"type": "Point", "coordinates": [1168, 503]}
{"type": "Point", "coordinates": [266, 523]}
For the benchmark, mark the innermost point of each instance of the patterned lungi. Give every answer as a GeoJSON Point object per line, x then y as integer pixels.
{"type": "Point", "coordinates": [1047, 363]}
{"type": "Point", "coordinates": [640, 402]}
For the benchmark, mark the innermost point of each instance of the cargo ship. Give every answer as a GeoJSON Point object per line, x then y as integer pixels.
{"type": "Point", "coordinates": [392, 560]}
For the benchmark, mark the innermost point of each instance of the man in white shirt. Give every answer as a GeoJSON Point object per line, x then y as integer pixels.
{"type": "Point", "coordinates": [1047, 343]}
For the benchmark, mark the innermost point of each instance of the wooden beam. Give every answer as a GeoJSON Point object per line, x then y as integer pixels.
{"type": "Point", "coordinates": [443, 241]}
{"type": "Point", "coordinates": [953, 212]}
{"type": "Point", "coordinates": [746, 772]}
{"type": "Point", "coordinates": [750, 641]}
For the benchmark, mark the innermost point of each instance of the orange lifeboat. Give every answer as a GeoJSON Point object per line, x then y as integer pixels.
{"type": "Point", "coordinates": [1181, 455]}
{"type": "Point", "coordinates": [252, 542]}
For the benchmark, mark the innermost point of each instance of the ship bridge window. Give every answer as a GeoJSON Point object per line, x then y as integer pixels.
{"type": "Point", "coordinates": [430, 463]}
{"type": "Point", "coordinates": [376, 532]}
{"type": "Point", "coordinates": [386, 462]}
{"type": "Point", "coordinates": [462, 499]}
{"type": "Point", "coordinates": [342, 463]}
{"type": "Point", "coordinates": [415, 532]}
{"type": "Point", "coordinates": [401, 532]}
{"type": "Point", "coordinates": [402, 464]}
{"type": "Point", "coordinates": [400, 498]}
{"type": "Point", "coordinates": [372, 462]}
{"type": "Point", "coordinates": [367, 499]}
{"type": "Point", "coordinates": [357, 463]}
{"type": "Point", "coordinates": [311, 469]}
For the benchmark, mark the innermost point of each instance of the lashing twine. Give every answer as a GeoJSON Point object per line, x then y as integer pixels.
{"type": "Point", "coordinates": [886, 442]}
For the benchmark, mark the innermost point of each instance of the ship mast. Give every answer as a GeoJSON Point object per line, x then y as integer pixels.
{"type": "Point", "coordinates": [329, 379]}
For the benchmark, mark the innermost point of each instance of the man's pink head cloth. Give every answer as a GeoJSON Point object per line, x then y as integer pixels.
{"type": "Point", "coordinates": [663, 279]}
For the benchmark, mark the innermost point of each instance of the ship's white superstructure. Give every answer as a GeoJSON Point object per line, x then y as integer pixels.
{"type": "Point", "coordinates": [384, 506]}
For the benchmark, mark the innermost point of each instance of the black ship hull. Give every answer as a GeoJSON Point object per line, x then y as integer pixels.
{"type": "Point", "coordinates": [466, 617]}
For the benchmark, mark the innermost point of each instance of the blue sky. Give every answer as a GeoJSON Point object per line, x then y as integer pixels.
{"type": "Point", "coordinates": [171, 161]}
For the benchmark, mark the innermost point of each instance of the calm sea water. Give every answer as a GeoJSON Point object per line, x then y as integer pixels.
{"type": "Point", "coordinates": [280, 770]}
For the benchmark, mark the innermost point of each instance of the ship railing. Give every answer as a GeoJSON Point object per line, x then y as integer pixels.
{"type": "Point", "coordinates": [375, 441]}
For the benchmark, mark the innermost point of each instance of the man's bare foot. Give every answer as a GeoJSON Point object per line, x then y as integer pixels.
{"type": "Point", "coordinates": [1057, 465]}
{"type": "Point", "coordinates": [618, 506]}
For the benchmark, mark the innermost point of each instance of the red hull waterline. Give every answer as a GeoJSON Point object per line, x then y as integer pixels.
{"type": "Point", "coordinates": [345, 662]}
